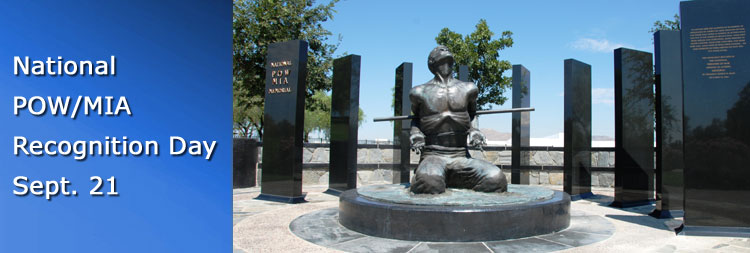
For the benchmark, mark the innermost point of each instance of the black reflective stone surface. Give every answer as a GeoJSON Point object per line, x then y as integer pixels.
{"type": "Point", "coordinates": [669, 163]}
{"type": "Point", "coordinates": [244, 162]}
{"type": "Point", "coordinates": [453, 223]}
{"type": "Point", "coordinates": [283, 121]}
{"type": "Point", "coordinates": [402, 107]}
{"type": "Point", "coordinates": [577, 150]}
{"type": "Point", "coordinates": [520, 131]}
{"type": "Point", "coordinates": [716, 78]}
{"type": "Point", "coordinates": [344, 123]}
{"type": "Point", "coordinates": [463, 73]}
{"type": "Point", "coordinates": [634, 128]}
{"type": "Point", "coordinates": [322, 228]}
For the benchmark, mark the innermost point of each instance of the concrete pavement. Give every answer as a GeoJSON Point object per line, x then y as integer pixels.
{"type": "Point", "coordinates": [263, 226]}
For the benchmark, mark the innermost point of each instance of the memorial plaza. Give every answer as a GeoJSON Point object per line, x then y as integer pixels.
{"type": "Point", "coordinates": [263, 226]}
{"type": "Point", "coordinates": [672, 179]}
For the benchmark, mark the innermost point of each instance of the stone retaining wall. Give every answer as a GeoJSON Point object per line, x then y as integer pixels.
{"type": "Point", "coordinates": [375, 155]}
{"type": "Point", "coordinates": [376, 161]}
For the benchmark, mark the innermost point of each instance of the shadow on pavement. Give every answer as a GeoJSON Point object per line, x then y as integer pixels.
{"type": "Point", "coordinates": [643, 220]}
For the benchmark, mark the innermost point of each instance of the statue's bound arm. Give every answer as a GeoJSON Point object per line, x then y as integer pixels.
{"type": "Point", "coordinates": [476, 138]}
{"type": "Point", "coordinates": [416, 136]}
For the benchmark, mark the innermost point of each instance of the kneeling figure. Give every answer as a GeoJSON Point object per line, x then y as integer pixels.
{"type": "Point", "coordinates": [445, 109]}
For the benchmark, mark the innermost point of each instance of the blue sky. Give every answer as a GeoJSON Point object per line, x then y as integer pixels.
{"type": "Point", "coordinates": [387, 33]}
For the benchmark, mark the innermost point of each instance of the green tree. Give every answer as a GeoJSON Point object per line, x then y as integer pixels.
{"type": "Point", "coordinates": [247, 115]}
{"type": "Point", "coordinates": [258, 23]}
{"type": "Point", "coordinates": [241, 118]}
{"type": "Point", "coordinates": [671, 25]}
{"type": "Point", "coordinates": [318, 117]}
{"type": "Point", "coordinates": [480, 52]}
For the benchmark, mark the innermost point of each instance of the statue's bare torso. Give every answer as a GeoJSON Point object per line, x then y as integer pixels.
{"type": "Point", "coordinates": [444, 108]}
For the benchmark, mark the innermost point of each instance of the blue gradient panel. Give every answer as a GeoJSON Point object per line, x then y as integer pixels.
{"type": "Point", "coordinates": [174, 68]}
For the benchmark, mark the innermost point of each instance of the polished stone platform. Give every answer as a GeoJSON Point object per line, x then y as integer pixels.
{"type": "Point", "coordinates": [264, 226]}
{"type": "Point", "coordinates": [322, 228]}
{"type": "Point", "coordinates": [391, 211]}
{"type": "Point", "coordinates": [399, 194]}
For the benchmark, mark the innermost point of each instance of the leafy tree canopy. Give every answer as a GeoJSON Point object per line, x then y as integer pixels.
{"type": "Point", "coordinates": [258, 23]}
{"type": "Point", "coordinates": [671, 25]}
{"type": "Point", "coordinates": [481, 53]}
{"type": "Point", "coordinates": [319, 118]}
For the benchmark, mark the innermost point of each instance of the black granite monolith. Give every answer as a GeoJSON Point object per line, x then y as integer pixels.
{"type": "Point", "coordinates": [520, 156]}
{"type": "Point", "coordinates": [463, 73]}
{"type": "Point", "coordinates": [669, 163]}
{"type": "Point", "coordinates": [577, 133]}
{"type": "Point", "coordinates": [286, 70]}
{"type": "Point", "coordinates": [244, 162]}
{"type": "Point", "coordinates": [402, 107]}
{"type": "Point", "coordinates": [715, 63]}
{"type": "Point", "coordinates": [634, 128]}
{"type": "Point", "coordinates": [344, 124]}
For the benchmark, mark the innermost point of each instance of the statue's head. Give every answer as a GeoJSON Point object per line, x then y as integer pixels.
{"type": "Point", "coordinates": [439, 56]}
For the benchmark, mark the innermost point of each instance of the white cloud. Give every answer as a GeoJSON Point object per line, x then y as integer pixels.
{"type": "Point", "coordinates": [603, 96]}
{"type": "Point", "coordinates": [596, 45]}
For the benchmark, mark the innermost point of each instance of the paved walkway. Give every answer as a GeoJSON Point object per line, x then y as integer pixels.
{"type": "Point", "coordinates": [263, 226]}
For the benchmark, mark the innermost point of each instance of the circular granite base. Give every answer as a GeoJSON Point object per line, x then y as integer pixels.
{"type": "Point", "coordinates": [390, 211]}
{"type": "Point", "coordinates": [322, 228]}
{"type": "Point", "coordinates": [400, 194]}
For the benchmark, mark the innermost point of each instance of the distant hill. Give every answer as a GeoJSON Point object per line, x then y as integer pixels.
{"type": "Point", "coordinates": [493, 135]}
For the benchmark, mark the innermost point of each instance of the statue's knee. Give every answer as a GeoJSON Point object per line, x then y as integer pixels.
{"type": "Point", "coordinates": [428, 187]}
{"type": "Point", "coordinates": [428, 181]}
{"type": "Point", "coordinates": [497, 176]}
{"type": "Point", "coordinates": [493, 181]}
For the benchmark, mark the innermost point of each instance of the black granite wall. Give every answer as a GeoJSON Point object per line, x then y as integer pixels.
{"type": "Point", "coordinates": [715, 64]}
{"type": "Point", "coordinates": [520, 126]}
{"type": "Point", "coordinates": [634, 128]}
{"type": "Point", "coordinates": [402, 107]}
{"type": "Point", "coordinates": [286, 70]}
{"type": "Point", "coordinates": [344, 123]}
{"type": "Point", "coordinates": [244, 161]}
{"type": "Point", "coordinates": [669, 158]}
{"type": "Point", "coordinates": [577, 129]}
{"type": "Point", "coordinates": [463, 73]}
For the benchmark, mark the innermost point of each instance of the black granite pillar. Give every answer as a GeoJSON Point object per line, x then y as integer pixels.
{"type": "Point", "coordinates": [520, 156]}
{"type": "Point", "coordinates": [286, 70]}
{"type": "Point", "coordinates": [402, 107]}
{"type": "Point", "coordinates": [669, 164]}
{"type": "Point", "coordinates": [715, 63]}
{"type": "Point", "coordinates": [463, 73]}
{"type": "Point", "coordinates": [634, 128]}
{"type": "Point", "coordinates": [244, 162]}
{"type": "Point", "coordinates": [577, 150]}
{"type": "Point", "coordinates": [344, 124]}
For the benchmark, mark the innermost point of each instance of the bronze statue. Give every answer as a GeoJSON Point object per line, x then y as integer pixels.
{"type": "Point", "coordinates": [444, 109]}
